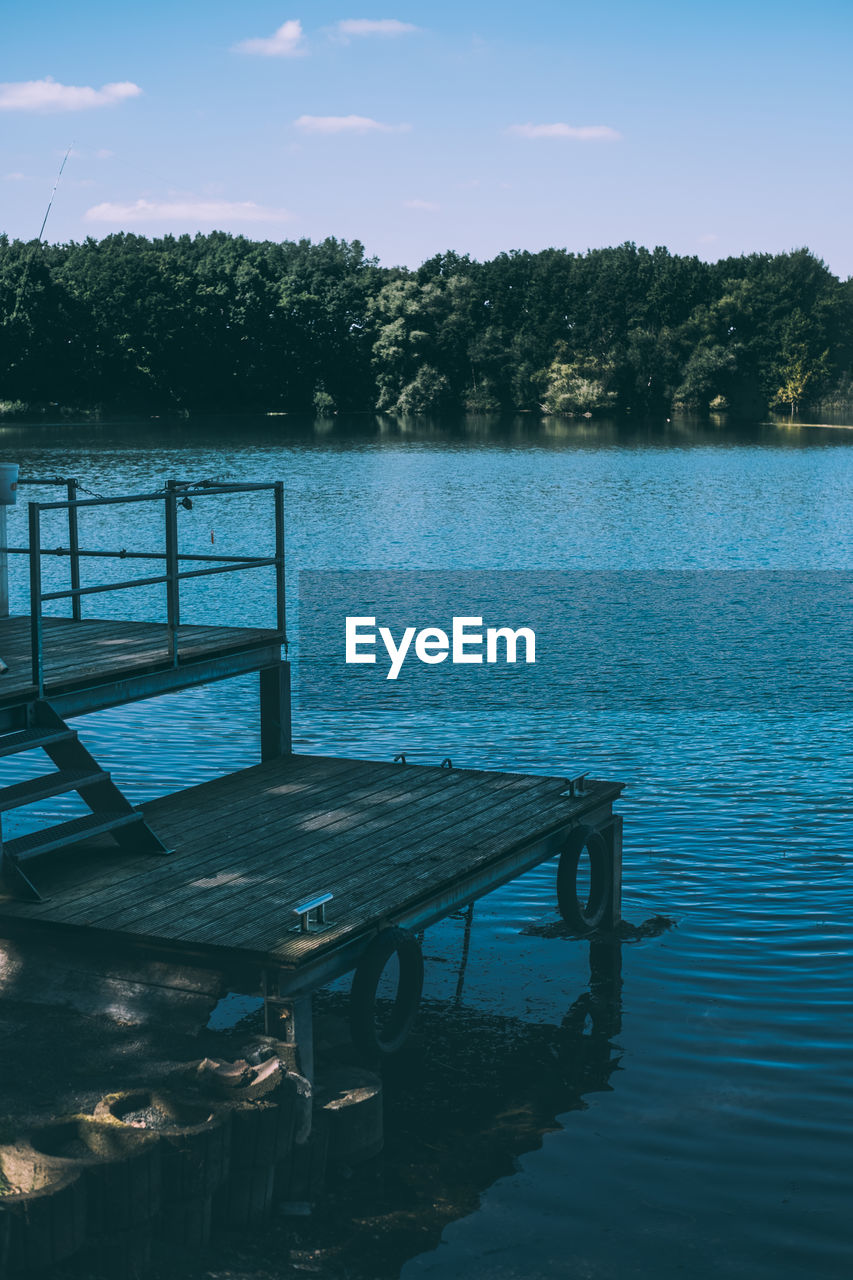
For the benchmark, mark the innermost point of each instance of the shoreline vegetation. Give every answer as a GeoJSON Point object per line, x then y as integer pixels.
{"type": "Point", "coordinates": [219, 323]}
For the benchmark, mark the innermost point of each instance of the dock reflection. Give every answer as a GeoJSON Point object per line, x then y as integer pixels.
{"type": "Point", "coordinates": [471, 1094]}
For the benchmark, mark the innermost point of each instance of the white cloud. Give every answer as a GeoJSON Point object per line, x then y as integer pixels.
{"type": "Point", "coordinates": [49, 95]}
{"type": "Point", "coordinates": [286, 42]}
{"type": "Point", "coordinates": [104, 154]}
{"type": "Point", "coordinates": [374, 27]}
{"type": "Point", "coordinates": [428, 205]}
{"type": "Point", "coordinates": [347, 124]}
{"type": "Point", "coordinates": [14, 177]}
{"type": "Point", "coordinates": [215, 213]}
{"type": "Point", "coordinates": [582, 133]}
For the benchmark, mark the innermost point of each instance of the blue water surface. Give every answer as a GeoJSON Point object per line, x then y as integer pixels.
{"type": "Point", "coordinates": [721, 1142]}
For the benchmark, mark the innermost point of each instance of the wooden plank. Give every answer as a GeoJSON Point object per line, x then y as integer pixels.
{"type": "Point", "coordinates": [441, 863]}
{"type": "Point", "coordinates": [396, 901]}
{"type": "Point", "coordinates": [300, 948]}
{"type": "Point", "coordinates": [137, 656]}
{"type": "Point", "coordinates": [72, 657]}
{"type": "Point", "coordinates": [417, 813]}
{"type": "Point", "coordinates": [56, 783]}
{"type": "Point", "coordinates": [380, 836]}
{"type": "Point", "coordinates": [208, 866]}
{"type": "Point", "coordinates": [272, 853]}
{"type": "Point", "coordinates": [392, 896]}
{"type": "Point", "coordinates": [383, 869]}
{"type": "Point", "coordinates": [367, 890]}
{"type": "Point", "coordinates": [131, 875]}
{"type": "Point", "coordinates": [370, 784]}
{"type": "Point", "coordinates": [377, 843]}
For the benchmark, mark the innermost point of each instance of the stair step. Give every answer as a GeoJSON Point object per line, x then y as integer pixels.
{"type": "Point", "coordinates": [49, 784]}
{"type": "Point", "coordinates": [67, 833]}
{"type": "Point", "coordinates": [28, 739]}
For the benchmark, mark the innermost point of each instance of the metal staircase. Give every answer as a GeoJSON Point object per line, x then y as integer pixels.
{"type": "Point", "coordinates": [76, 771]}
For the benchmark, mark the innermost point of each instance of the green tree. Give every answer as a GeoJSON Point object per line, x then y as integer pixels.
{"type": "Point", "coordinates": [577, 387]}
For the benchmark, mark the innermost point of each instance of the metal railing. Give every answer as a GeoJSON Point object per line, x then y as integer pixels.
{"type": "Point", "coordinates": [70, 485]}
{"type": "Point", "coordinates": [175, 492]}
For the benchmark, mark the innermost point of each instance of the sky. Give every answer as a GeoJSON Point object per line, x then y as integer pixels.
{"type": "Point", "coordinates": [711, 128]}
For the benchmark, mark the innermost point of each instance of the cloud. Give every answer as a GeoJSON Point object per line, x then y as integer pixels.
{"type": "Point", "coordinates": [49, 95]}
{"type": "Point", "coordinates": [196, 212]}
{"type": "Point", "coordinates": [14, 177]}
{"type": "Point", "coordinates": [286, 42]}
{"type": "Point", "coordinates": [428, 205]}
{"type": "Point", "coordinates": [374, 27]}
{"type": "Point", "coordinates": [104, 153]}
{"type": "Point", "coordinates": [581, 133]}
{"type": "Point", "coordinates": [347, 124]}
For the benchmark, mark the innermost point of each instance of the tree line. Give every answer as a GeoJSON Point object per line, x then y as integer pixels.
{"type": "Point", "coordinates": [214, 323]}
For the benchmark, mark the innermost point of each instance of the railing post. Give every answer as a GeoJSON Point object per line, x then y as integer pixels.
{"type": "Point", "coordinates": [4, 565]}
{"type": "Point", "coordinates": [281, 619]}
{"type": "Point", "coordinates": [35, 598]}
{"type": "Point", "coordinates": [74, 549]}
{"type": "Point", "coordinates": [173, 601]}
{"type": "Point", "coordinates": [8, 495]}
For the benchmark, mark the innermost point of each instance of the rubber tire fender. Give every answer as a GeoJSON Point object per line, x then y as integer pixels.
{"type": "Point", "coordinates": [584, 918]}
{"type": "Point", "coordinates": [365, 1033]}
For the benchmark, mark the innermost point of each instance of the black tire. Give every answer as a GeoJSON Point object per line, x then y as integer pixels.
{"type": "Point", "coordinates": [584, 918]}
{"type": "Point", "coordinates": [368, 1037]}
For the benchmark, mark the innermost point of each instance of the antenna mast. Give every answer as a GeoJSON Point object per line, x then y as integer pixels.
{"type": "Point", "coordinates": [53, 193]}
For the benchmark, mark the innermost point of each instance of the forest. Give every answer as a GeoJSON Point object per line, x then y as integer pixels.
{"type": "Point", "coordinates": [222, 323]}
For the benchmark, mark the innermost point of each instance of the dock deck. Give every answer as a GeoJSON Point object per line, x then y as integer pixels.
{"type": "Point", "coordinates": [280, 877]}
{"type": "Point", "coordinates": [395, 844]}
{"type": "Point", "coordinates": [93, 663]}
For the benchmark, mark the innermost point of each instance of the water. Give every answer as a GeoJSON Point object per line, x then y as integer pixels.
{"type": "Point", "coordinates": [693, 1116]}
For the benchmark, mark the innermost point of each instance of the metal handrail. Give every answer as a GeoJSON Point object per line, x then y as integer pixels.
{"type": "Point", "coordinates": [124, 554]}
{"type": "Point", "coordinates": [70, 484]}
{"type": "Point", "coordinates": [174, 575]}
{"type": "Point", "coordinates": [253, 562]}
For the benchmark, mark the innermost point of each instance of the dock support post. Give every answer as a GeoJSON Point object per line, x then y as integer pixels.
{"type": "Point", "coordinates": [290, 1018]}
{"type": "Point", "coordinates": [275, 711]}
{"type": "Point", "coordinates": [613, 835]}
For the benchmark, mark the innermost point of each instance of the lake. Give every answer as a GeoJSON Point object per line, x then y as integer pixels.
{"type": "Point", "coordinates": [689, 1114]}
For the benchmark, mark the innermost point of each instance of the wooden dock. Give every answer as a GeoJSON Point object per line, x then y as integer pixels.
{"type": "Point", "coordinates": [282, 876]}
{"type": "Point", "coordinates": [395, 845]}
